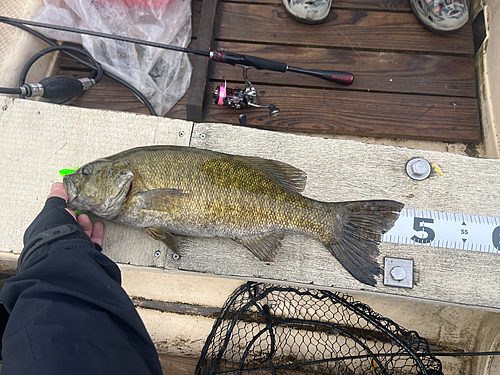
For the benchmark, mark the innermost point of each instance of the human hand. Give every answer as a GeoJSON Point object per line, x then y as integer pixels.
{"type": "Point", "coordinates": [94, 231]}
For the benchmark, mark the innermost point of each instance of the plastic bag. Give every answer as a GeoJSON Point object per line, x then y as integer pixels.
{"type": "Point", "coordinates": [162, 76]}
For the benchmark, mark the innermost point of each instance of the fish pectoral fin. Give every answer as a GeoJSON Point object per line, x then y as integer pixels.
{"type": "Point", "coordinates": [160, 234]}
{"type": "Point", "coordinates": [161, 199]}
{"type": "Point", "coordinates": [263, 246]}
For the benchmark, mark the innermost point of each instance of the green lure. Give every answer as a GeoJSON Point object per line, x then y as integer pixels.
{"type": "Point", "coordinates": [64, 172]}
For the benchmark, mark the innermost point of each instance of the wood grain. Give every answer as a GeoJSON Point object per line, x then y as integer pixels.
{"type": "Point", "coordinates": [393, 5]}
{"type": "Point", "coordinates": [427, 95]}
{"type": "Point", "coordinates": [194, 106]}
{"type": "Point", "coordinates": [373, 71]}
{"type": "Point", "coordinates": [107, 94]}
{"type": "Point", "coordinates": [343, 28]}
{"type": "Point", "coordinates": [343, 171]}
{"type": "Point", "coordinates": [175, 365]}
{"type": "Point", "coordinates": [358, 113]}
{"type": "Point", "coordinates": [324, 111]}
{"type": "Point", "coordinates": [336, 171]}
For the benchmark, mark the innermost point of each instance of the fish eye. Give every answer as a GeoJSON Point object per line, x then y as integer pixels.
{"type": "Point", "coordinates": [86, 170]}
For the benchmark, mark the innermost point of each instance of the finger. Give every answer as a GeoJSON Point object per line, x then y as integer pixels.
{"type": "Point", "coordinates": [85, 223]}
{"type": "Point", "coordinates": [57, 190]}
{"type": "Point", "coordinates": [98, 233]}
{"type": "Point", "coordinates": [71, 212]}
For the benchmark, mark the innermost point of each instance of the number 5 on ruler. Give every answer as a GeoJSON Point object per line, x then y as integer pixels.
{"type": "Point", "coordinates": [419, 226]}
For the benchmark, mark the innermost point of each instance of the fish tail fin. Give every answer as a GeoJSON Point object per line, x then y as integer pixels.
{"type": "Point", "coordinates": [357, 234]}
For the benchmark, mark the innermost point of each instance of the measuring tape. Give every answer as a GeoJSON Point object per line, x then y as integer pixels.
{"type": "Point", "coordinates": [441, 229]}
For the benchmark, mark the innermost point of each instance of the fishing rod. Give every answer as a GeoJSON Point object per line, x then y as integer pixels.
{"type": "Point", "coordinates": [235, 98]}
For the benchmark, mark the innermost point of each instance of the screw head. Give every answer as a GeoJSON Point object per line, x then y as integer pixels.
{"type": "Point", "coordinates": [398, 273]}
{"type": "Point", "coordinates": [175, 256]}
{"type": "Point", "coordinates": [5, 107]}
{"type": "Point", "coordinates": [418, 168]}
{"type": "Point", "coordinates": [181, 133]}
{"type": "Point", "coordinates": [203, 136]}
{"type": "Point", "coordinates": [157, 253]}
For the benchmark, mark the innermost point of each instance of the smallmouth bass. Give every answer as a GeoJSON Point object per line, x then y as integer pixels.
{"type": "Point", "coordinates": [184, 190]}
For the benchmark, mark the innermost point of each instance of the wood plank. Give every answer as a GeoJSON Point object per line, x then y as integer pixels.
{"type": "Point", "coordinates": [194, 106]}
{"type": "Point", "coordinates": [358, 113]}
{"type": "Point", "coordinates": [354, 29]}
{"type": "Point", "coordinates": [107, 94]}
{"type": "Point", "coordinates": [196, 7]}
{"type": "Point", "coordinates": [175, 365]}
{"type": "Point", "coordinates": [322, 111]}
{"type": "Point", "coordinates": [373, 71]}
{"type": "Point", "coordinates": [393, 5]}
{"type": "Point", "coordinates": [110, 95]}
{"type": "Point", "coordinates": [343, 170]}
{"type": "Point", "coordinates": [337, 171]}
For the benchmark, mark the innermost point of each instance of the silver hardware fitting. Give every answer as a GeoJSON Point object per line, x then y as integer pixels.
{"type": "Point", "coordinates": [87, 83]}
{"type": "Point", "coordinates": [157, 253]}
{"type": "Point", "coordinates": [418, 169]}
{"type": "Point", "coordinates": [398, 272]}
{"type": "Point", "coordinates": [36, 89]}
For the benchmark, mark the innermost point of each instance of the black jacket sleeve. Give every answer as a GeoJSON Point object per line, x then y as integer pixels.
{"type": "Point", "coordinates": [68, 311]}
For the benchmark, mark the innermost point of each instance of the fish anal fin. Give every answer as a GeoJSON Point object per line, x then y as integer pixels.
{"type": "Point", "coordinates": [286, 175]}
{"type": "Point", "coordinates": [160, 234]}
{"type": "Point", "coordinates": [263, 246]}
{"type": "Point", "coordinates": [161, 199]}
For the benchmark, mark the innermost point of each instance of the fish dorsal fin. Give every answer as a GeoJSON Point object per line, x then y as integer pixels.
{"type": "Point", "coordinates": [285, 175]}
{"type": "Point", "coordinates": [263, 246]}
{"type": "Point", "coordinates": [161, 199]}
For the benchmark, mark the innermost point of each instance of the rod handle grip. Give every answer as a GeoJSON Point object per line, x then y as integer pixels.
{"type": "Point", "coordinates": [248, 60]}
{"type": "Point", "coordinates": [344, 78]}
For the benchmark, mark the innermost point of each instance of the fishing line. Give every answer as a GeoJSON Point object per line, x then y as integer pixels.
{"type": "Point", "coordinates": [343, 78]}
{"type": "Point", "coordinates": [247, 97]}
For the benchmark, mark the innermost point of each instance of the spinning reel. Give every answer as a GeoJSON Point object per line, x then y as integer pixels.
{"type": "Point", "coordinates": [235, 98]}
{"type": "Point", "coordinates": [241, 98]}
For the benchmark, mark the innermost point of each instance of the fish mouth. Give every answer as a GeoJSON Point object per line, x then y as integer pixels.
{"type": "Point", "coordinates": [70, 188]}
{"type": "Point", "coordinates": [130, 188]}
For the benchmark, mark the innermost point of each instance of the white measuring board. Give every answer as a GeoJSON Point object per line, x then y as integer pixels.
{"type": "Point", "coordinates": [441, 229]}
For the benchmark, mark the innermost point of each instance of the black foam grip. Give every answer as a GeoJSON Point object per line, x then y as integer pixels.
{"type": "Point", "coordinates": [247, 60]}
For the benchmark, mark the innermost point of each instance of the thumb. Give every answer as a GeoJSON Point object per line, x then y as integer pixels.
{"type": "Point", "coordinates": [57, 190]}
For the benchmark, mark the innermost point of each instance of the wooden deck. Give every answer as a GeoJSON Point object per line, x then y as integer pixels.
{"type": "Point", "coordinates": [409, 82]}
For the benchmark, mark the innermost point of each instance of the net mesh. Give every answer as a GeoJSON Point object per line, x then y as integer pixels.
{"type": "Point", "coordinates": [271, 329]}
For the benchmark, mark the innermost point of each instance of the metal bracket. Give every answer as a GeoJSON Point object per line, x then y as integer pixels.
{"type": "Point", "coordinates": [398, 272]}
